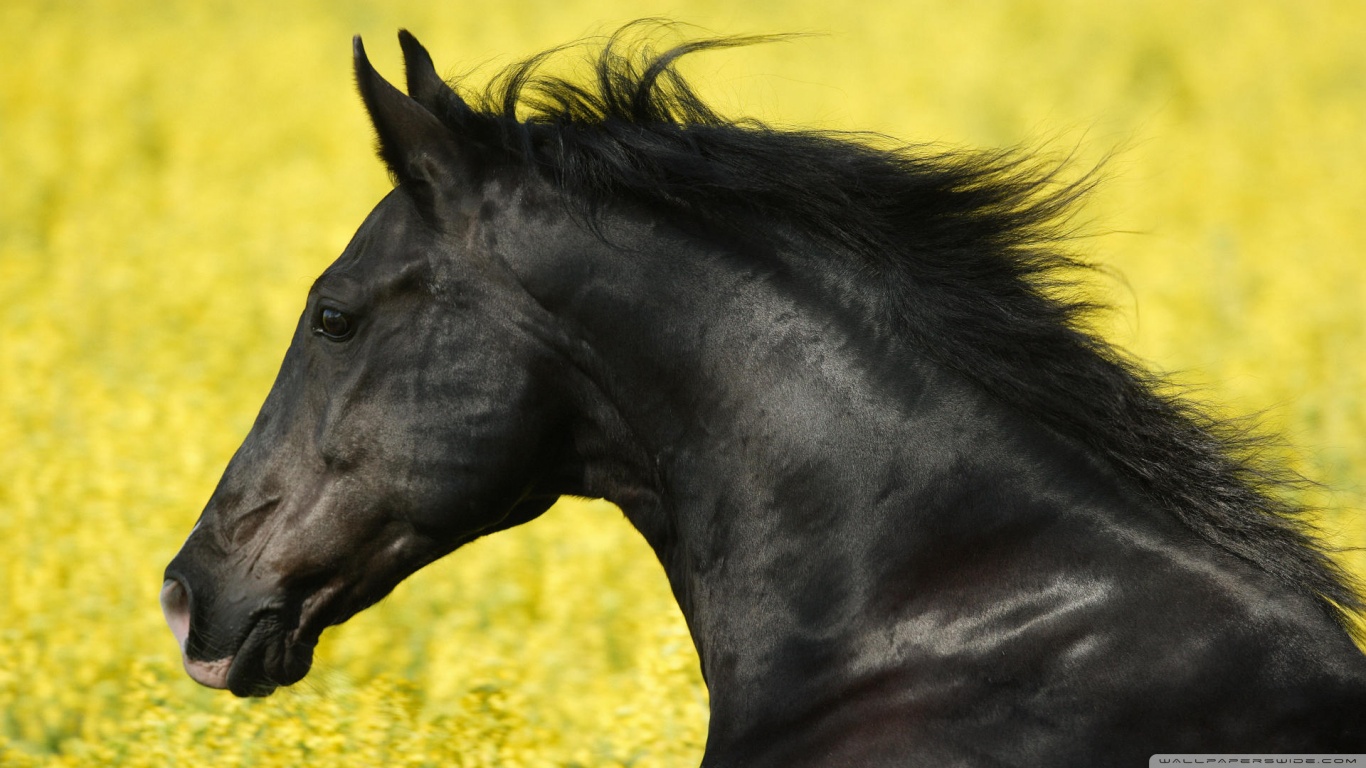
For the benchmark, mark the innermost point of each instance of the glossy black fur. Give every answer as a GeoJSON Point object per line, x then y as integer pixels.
{"type": "Point", "coordinates": [914, 513]}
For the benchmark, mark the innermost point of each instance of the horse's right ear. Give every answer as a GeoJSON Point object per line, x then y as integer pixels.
{"type": "Point", "coordinates": [422, 153]}
{"type": "Point", "coordinates": [427, 87]}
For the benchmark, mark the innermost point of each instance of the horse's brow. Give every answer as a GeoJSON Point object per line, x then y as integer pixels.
{"type": "Point", "coordinates": [330, 275]}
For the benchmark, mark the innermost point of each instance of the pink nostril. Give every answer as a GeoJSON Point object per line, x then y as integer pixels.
{"type": "Point", "coordinates": [175, 605]}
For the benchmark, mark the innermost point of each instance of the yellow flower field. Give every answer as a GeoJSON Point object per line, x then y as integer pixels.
{"type": "Point", "coordinates": [174, 174]}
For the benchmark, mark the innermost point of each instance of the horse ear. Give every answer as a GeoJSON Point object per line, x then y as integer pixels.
{"type": "Point", "coordinates": [422, 154]}
{"type": "Point", "coordinates": [425, 85]}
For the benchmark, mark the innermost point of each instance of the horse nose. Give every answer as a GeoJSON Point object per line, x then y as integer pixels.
{"type": "Point", "coordinates": [175, 606]}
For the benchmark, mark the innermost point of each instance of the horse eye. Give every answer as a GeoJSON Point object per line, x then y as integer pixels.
{"type": "Point", "coordinates": [334, 324]}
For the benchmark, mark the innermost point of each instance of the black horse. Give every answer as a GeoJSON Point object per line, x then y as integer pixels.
{"type": "Point", "coordinates": [913, 511]}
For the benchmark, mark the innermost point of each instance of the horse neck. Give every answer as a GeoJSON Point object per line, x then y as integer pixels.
{"type": "Point", "coordinates": [793, 472]}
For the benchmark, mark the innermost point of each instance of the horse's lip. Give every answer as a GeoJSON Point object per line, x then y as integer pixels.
{"type": "Point", "coordinates": [272, 654]}
{"type": "Point", "coordinates": [247, 669]}
{"type": "Point", "coordinates": [318, 612]}
{"type": "Point", "coordinates": [211, 674]}
{"type": "Point", "coordinates": [276, 648]}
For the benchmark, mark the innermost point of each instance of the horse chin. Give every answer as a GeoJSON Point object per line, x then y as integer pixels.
{"type": "Point", "coordinates": [277, 649]}
{"type": "Point", "coordinates": [270, 656]}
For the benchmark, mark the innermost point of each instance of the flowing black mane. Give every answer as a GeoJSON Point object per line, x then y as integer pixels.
{"type": "Point", "coordinates": [965, 248]}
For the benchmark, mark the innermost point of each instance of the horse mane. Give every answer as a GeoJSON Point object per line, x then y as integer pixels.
{"type": "Point", "coordinates": [967, 247]}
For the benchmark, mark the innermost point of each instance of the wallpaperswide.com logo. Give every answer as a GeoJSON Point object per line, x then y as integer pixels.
{"type": "Point", "coordinates": [1179, 760]}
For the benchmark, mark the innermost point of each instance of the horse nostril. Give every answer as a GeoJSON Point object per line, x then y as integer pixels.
{"type": "Point", "coordinates": [175, 606]}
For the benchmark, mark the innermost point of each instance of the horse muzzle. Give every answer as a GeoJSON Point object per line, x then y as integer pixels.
{"type": "Point", "coordinates": [175, 606]}
{"type": "Point", "coordinates": [264, 648]}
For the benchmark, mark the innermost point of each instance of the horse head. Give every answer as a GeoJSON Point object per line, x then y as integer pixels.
{"type": "Point", "coordinates": [366, 462]}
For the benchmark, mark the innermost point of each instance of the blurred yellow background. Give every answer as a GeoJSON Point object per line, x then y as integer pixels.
{"type": "Point", "coordinates": [174, 174]}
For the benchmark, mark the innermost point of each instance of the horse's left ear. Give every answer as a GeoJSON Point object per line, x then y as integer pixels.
{"type": "Point", "coordinates": [421, 153]}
